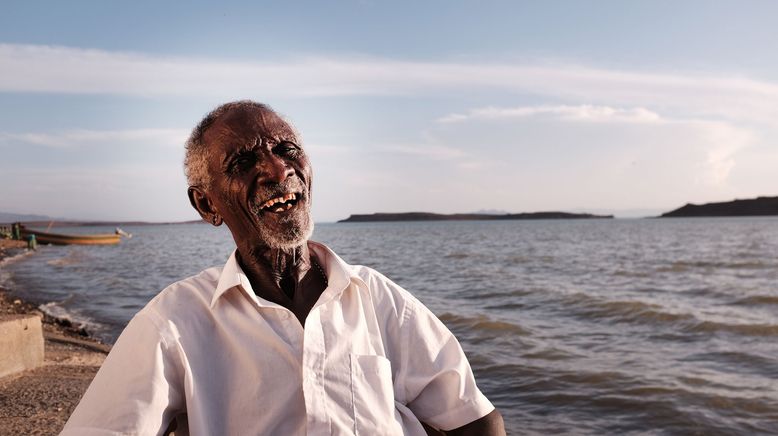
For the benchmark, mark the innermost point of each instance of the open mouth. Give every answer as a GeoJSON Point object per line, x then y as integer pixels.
{"type": "Point", "coordinates": [280, 204]}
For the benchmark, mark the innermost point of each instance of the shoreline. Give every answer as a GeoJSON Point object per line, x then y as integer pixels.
{"type": "Point", "coordinates": [11, 302]}
{"type": "Point", "coordinates": [40, 400]}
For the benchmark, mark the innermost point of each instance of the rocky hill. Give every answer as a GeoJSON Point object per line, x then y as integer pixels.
{"type": "Point", "coordinates": [751, 207]}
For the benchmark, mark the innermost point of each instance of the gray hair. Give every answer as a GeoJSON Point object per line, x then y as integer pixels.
{"type": "Point", "coordinates": [197, 151]}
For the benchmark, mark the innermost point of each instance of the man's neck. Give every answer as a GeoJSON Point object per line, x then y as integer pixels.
{"type": "Point", "coordinates": [285, 277]}
{"type": "Point", "coordinates": [275, 273]}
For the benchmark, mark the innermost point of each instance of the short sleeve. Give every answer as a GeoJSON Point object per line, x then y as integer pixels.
{"type": "Point", "coordinates": [138, 389]}
{"type": "Point", "coordinates": [439, 383]}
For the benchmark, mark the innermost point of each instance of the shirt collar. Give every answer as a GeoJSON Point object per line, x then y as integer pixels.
{"type": "Point", "coordinates": [339, 276]}
{"type": "Point", "coordinates": [232, 275]}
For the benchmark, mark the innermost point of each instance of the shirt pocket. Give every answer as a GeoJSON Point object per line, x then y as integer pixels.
{"type": "Point", "coordinates": [372, 393]}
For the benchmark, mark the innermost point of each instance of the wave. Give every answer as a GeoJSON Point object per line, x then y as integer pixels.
{"type": "Point", "coordinates": [627, 310]}
{"type": "Point", "coordinates": [514, 260]}
{"type": "Point", "coordinates": [74, 256]}
{"type": "Point", "coordinates": [550, 354]}
{"type": "Point", "coordinates": [639, 312]}
{"type": "Point", "coordinates": [57, 309]}
{"type": "Point", "coordinates": [633, 402]}
{"type": "Point", "coordinates": [5, 276]}
{"type": "Point", "coordinates": [16, 257]}
{"type": "Point", "coordinates": [733, 361]}
{"type": "Point", "coordinates": [482, 323]}
{"type": "Point", "coordinates": [506, 306]}
{"type": "Point", "coordinates": [685, 266]}
{"type": "Point", "coordinates": [757, 300]}
{"type": "Point", "coordinates": [631, 274]}
{"type": "Point", "coordinates": [485, 295]}
{"type": "Point", "coordinates": [742, 329]}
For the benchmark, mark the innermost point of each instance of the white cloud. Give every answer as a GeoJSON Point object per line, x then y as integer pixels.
{"type": "Point", "coordinates": [640, 140]}
{"type": "Point", "coordinates": [724, 142]}
{"type": "Point", "coordinates": [36, 68]}
{"type": "Point", "coordinates": [82, 137]}
{"type": "Point", "coordinates": [595, 156]}
{"type": "Point", "coordinates": [583, 113]}
{"type": "Point", "coordinates": [432, 151]}
{"type": "Point", "coordinates": [715, 143]}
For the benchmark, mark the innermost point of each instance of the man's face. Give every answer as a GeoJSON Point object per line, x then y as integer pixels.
{"type": "Point", "coordinates": [261, 179]}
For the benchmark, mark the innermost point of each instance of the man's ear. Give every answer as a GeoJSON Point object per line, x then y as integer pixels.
{"type": "Point", "coordinates": [202, 204]}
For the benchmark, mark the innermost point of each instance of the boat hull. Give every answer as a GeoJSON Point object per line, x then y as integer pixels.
{"type": "Point", "coordinates": [56, 239]}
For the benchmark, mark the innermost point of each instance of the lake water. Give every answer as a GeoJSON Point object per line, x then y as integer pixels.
{"type": "Point", "coordinates": [572, 327]}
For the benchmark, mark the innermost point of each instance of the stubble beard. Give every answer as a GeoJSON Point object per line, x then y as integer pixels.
{"type": "Point", "coordinates": [296, 227]}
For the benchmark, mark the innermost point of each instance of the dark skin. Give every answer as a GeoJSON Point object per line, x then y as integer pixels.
{"type": "Point", "coordinates": [252, 150]}
{"type": "Point", "coordinates": [264, 150]}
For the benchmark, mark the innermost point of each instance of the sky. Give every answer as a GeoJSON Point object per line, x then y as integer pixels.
{"type": "Point", "coordinates": [632, 108]}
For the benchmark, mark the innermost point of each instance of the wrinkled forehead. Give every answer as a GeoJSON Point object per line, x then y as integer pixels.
{"type": "Point", "coordinates": [248, 125]}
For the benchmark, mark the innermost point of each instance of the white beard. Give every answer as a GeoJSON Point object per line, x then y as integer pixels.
{"type": "Point", "coordinates": [298, 225]}
{"type": "Point", "coordinates": [299, 230]}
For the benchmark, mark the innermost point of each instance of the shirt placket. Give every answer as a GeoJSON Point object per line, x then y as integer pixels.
{"type": "Point", "coordinates": [313, 375]}
{"type": "Point", "coordinates": [293, 329]}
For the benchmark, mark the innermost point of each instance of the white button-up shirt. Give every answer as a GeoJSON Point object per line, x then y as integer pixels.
{"type": "Point", "coordinates": [219, 360]}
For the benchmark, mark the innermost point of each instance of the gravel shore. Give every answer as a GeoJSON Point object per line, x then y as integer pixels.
{"type": "Point", "coordinates": [39, 401]}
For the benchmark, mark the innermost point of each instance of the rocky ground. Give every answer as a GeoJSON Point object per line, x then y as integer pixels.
{"type": "Point", "coordinates": [39, 401]}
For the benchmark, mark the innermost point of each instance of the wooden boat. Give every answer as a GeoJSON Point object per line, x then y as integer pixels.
{"type": "Point", "coordinates": [56, 239]}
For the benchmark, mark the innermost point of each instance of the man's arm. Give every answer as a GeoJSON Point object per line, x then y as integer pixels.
{"type": "Point", "coordinates": [136, 390]}
{"type": "Point", "coordinates": [439, 381]}
{"type": "Point", "coordinates": [489, 425]}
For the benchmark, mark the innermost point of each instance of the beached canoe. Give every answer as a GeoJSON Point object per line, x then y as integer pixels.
{"type": "Point", "coordinates": [56, 239]}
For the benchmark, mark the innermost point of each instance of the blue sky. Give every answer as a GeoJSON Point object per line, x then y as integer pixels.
{"type": "Point", "coordinates": [628, 107]}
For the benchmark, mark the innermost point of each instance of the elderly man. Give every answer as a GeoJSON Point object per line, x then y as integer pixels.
{"type": "Point", "coordinates": [286, 338]}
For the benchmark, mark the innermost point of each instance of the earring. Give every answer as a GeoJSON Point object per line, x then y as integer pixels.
{"type": "Point", "coordinates": [215, 220]}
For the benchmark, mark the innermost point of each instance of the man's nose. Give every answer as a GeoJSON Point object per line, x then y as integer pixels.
{"type": "Point", "coordinates": [274, 170]}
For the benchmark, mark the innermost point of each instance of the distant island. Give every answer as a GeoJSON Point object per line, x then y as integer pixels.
{"type": "Point", "coordinates": [760, 206]}
{"type": "Point", "coordinates": [427, 216]}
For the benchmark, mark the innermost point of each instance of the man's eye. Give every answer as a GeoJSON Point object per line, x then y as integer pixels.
{"type": "Point", "coordinates": [242, 162]}
{"type": "Point", "coordinates": [287, 149]}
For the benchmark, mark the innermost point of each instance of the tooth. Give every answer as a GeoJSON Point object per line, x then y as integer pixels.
{"type": "Point", "coordinates": [279, 209]}
{"type": "Point", "coordinates": [288, 206]}
{"type": "Point", "coordinates": [293, 197]}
